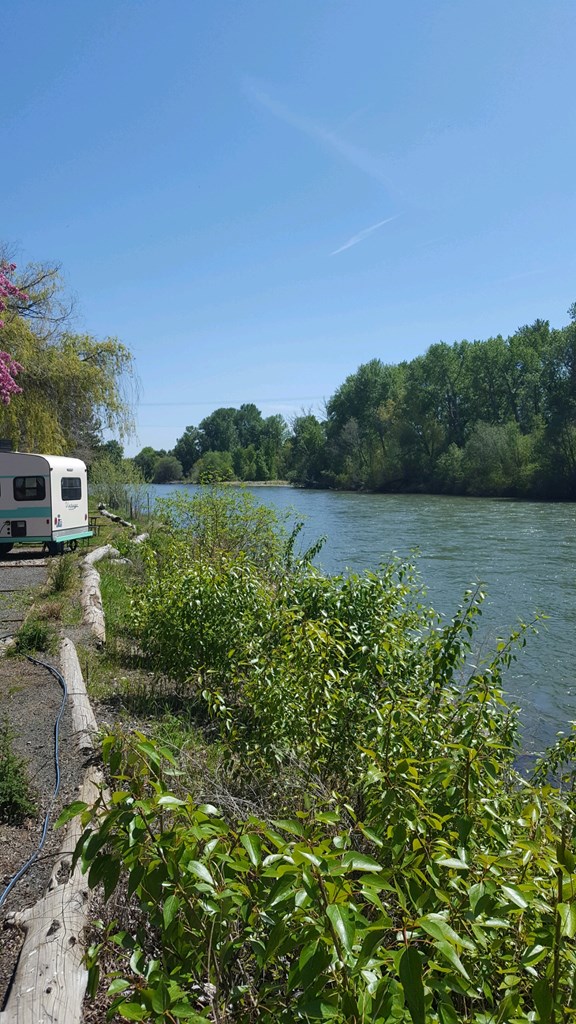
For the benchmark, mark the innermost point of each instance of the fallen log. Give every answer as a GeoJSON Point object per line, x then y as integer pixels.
{"type": "Point", "coordinates": [115, 519]}
{"type": "Point", "coordinates": [90, 597]}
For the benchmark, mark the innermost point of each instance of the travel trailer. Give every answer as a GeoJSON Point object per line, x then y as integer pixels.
{"type": "Point", "coordinates": [43, 500]}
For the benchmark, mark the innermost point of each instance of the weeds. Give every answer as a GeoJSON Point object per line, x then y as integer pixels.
{"type": "Point", "coordinates": [61, 574]}
{"type": "Point", "coordinates": [16, 801]}
{"type": "Point", "coordinates": [36, 635]}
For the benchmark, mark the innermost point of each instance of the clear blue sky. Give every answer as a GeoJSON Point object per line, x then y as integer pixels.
{"type": "Point", "coordinates": [256, 196]}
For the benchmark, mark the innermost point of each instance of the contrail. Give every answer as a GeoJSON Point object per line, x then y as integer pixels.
{"type": "Point", "coordinates": [363, 234]}
{"type": "Point", "coordinates": [360, 158]}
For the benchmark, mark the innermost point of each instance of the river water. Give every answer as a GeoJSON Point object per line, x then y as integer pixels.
{"type": "Point", "coordinates": [524, 554]}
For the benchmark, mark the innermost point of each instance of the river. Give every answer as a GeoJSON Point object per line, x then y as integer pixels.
{"type": "Point", "coordinates": [524, 555]}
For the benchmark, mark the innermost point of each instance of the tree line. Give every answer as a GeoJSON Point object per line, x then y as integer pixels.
{"type": "Point", "coordinates": [492, 417]}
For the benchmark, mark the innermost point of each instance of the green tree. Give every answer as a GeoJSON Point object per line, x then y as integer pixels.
{"type": "Point", "coordinates": [306, 451]}
{"type": "Point", "coordinates": [146, 460]}
{"type": "Point", "coordinates": [112, 450]}
{"type": "Point", "coordinates": [248, 422]}
{"type": "Point", "coordinates": [355, 427]}
{"type": "Point", "coordinates": [188, 448]}
{"type": "Point", "coordinates": [167, 468]}
{"type": "Point", "coordinates": [73, 387]}
{"type": "Point", "coordinates": [214, 467]}
{"type": "Point", "coordinates": [218, 431]}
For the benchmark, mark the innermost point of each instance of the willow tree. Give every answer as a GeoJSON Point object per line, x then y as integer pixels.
{"type": "Point", "coordinates": [73, 386]}
{"type": "Point", "coordinates": [70, 386]}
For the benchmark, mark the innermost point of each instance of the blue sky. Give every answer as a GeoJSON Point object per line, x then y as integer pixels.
{"type": "Point", "coordinates": [256, 196]}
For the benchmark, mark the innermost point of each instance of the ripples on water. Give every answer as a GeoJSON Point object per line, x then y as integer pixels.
{"type": "Point", "coordinates": [522, 553]}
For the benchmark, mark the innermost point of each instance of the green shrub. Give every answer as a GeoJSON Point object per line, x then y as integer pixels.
{"type": "Point", "coordinates": [451, 899]}
{"type": "Point", "coordinates": [16, 801]}
{"type": "Point", "coordinates": [224, 523]}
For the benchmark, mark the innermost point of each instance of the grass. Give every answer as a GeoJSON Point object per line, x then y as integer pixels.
{"type": "Point", "coordinates": [35, 635]}
{"type": "Point", "coordinates": [16, 801]}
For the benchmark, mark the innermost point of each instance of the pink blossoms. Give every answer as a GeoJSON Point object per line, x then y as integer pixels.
{"type": "Point", "coordinates": [8, 366]}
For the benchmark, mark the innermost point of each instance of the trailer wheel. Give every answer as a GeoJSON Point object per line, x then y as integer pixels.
{"type": "Point", "coordinates": [4, 549]}
{"type": "Point", "coordinates": [73, 544]}
{"type": "Point", "coordinates": [54, 548]}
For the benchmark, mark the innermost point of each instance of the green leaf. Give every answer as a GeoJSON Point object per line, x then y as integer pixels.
{"type": "Point", "coordinates": [186, 1012]}
{"type": "Point", "coordinates": [452, 957]}
{"type": "Point", "coordinates": [151, 752]}
{"type": "Point", "coordinates": [438, 928]}
{"type": "Point", "coordinates": [317, 1009]}
{"type": "Point", "coordinates": [342, 925]}
{"type": "Point", "coordinates": [372, 939]}
{"type": "Point", "coordinates": [567, 912]}
{"type": "Point", "coordinates": [111, 876]}
{"type": "Point", "coordinates": [281, 890]}
{"type": "Point", "coordinates": [131, 1011]}
{"type": "Point", "coordinates": [200, 870]}
{"type": "Point", "coordinates": [533, 955]}
{"type": "Point", "coordinates": [170, 909]}
{"type": "Point", "coordinates": [353, 861]}
{"type": "Point", "coordinates": [507, 1007]}
{"type": "Point", "coordinates": [70, 812]}
{"type": "Point", "coordinates": [542, 996]}
{"type": "Point", "coordinates": [410, 970]}
{"type": "Point", "coordinates": [118, 985]}
{"type": "Point", "coordinates": [169, 800]}
{"type": "Point", "coordinates": [515, 896]}
{"type": "Point", "coordinates": [252, 845]}
{"type": "Point", "coordinates": [453, 862]}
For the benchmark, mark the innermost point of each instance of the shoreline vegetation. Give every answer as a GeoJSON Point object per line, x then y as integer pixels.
{"type": "Point", "coordinates": [316, 811]}
{"type": "Point", "coordinates": [493, 418]}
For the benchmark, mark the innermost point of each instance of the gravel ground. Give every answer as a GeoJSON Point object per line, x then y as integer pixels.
{"type": "Point", "coordinates": [30, 699]}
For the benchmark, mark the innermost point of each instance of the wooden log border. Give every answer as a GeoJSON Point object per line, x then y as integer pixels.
{"type": "Point", "coordinates": [49, 982]}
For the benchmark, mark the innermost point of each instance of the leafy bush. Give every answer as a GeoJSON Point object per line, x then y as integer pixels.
{"type": "Point", "coordinates": [223, 524]}
{"type": "Point", "coordinates": [118, 485]}
{"type": "Point", "coordinates": [16, 801]}
{"type": "Point", "coordinates": [416, 876]}
{"type": "Point", "coordinates": [293, 668]}
{"type": "Point", "coordinates": [459, 909]}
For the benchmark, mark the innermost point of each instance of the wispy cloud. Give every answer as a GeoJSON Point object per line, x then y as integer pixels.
{"type": "Point", "coordinates": [370, 165]}
{"type": "Point", "coordinates": [363, 234]}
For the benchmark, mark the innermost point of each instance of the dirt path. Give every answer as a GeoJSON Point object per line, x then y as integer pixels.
{"type": "Point", "coordinates": [30, 699]}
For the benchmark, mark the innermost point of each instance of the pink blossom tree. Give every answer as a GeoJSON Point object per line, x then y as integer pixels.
{"type": "Point", "coordinates": [8, 366]}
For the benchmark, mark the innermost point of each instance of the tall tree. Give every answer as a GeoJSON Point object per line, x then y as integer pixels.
{"type": "Point", "coordinates": [218, 431]}
{"type": "Point", "coordinates": [73, 386]}
{"type": "Point", "coordinates": [188, 448]}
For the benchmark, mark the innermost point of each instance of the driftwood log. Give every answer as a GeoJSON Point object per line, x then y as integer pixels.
{"type": "Point", "coordinates": [115, 519]}
{"type": "Point", "coordinates": [90, 597]}
{"type": "Point", "coordinates": [49, 983]}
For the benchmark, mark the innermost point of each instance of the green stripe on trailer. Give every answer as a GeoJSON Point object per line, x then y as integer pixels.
{"type": "Point", "coordinates": [59, 539]}
{"type": "Point", "coordinates": [26, 512]}
{"type": "Point", "coordinates": [47, 538]}
{"type": "Point", "coordinates": [26, 540]}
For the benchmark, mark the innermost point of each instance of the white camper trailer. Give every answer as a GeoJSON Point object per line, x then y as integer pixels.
{"type": "Point", "coordinates": [43, 500]}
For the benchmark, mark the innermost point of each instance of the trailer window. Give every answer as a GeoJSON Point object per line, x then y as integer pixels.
{"type": "Point", "coordinates": [29, 488]}
{"type": "Point", "coordinates": [71, 488]}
